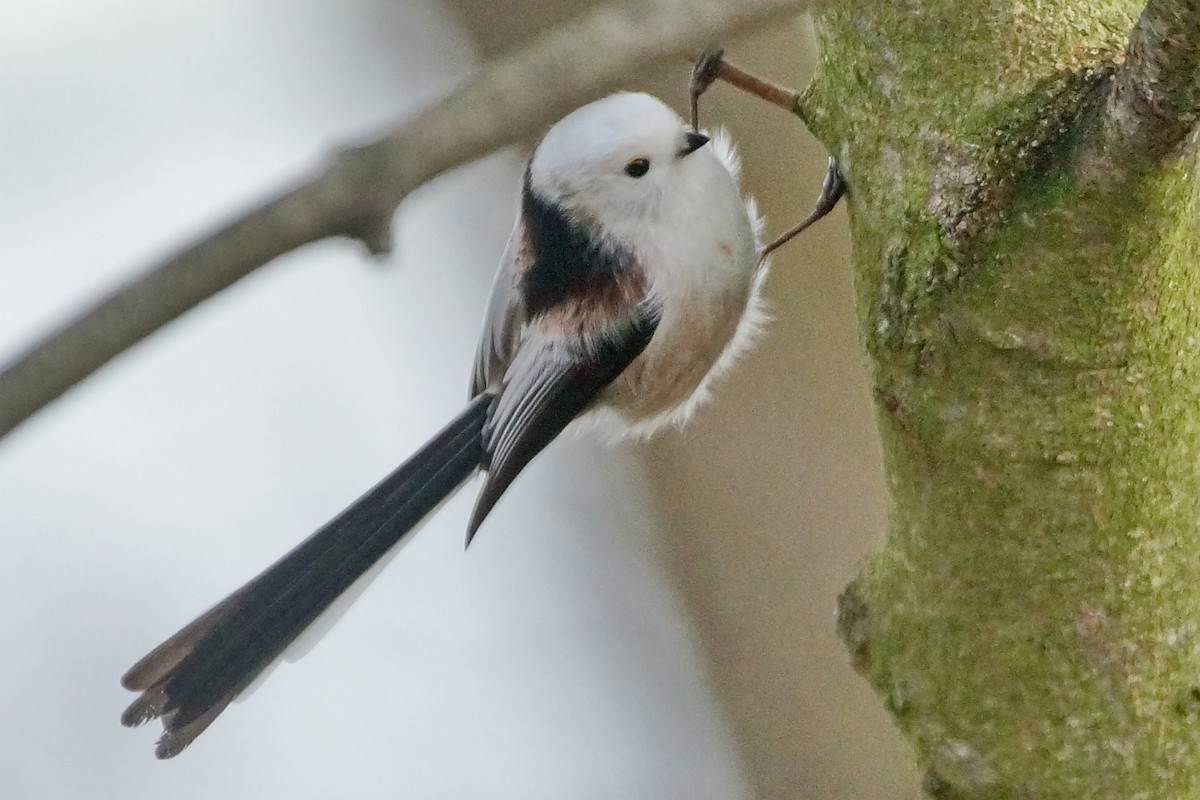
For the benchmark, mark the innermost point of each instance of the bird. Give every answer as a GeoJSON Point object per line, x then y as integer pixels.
{"type": "Point", "coordinates": [632, 279]}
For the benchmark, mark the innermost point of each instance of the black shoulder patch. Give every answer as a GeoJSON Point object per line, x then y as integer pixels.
{"type": "Point", "coordinates": [568, 259]}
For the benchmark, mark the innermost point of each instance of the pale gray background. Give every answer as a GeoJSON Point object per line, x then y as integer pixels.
{"type": "Point", "coordinates": [547, 662]}
{"type": "Point", "coordinates": [648, 623]}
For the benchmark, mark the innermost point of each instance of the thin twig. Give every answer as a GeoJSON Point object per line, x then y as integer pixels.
{"type": "Point", "coordinates": [1154, 106]}
{"type": "Point", "coordinates": [712, 66]}
{"type": "Point", "coordinates": [357, 192]}
{"type": "Point", "coordinates": [787, 99]}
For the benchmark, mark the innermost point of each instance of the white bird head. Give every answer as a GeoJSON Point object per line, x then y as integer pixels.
{"type": "Point", "coordinates": [622, 161]}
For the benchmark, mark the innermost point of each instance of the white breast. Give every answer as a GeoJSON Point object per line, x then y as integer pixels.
{"type": "Point", "coordinates": [703, 268]}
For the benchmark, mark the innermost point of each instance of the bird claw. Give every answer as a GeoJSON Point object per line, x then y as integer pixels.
{"type": "Point", "coordinates": [832, 189]}
{"type": "Point", "coordinates": [705, 72]}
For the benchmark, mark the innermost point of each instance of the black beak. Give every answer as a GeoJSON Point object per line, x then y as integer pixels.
{"type": "Point", "coordinates": [692, 142]}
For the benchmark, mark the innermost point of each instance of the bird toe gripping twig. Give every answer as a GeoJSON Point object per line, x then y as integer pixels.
{"type": "Point", "coordinates": [710, 67]}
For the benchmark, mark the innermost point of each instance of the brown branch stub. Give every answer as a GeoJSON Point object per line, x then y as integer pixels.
{"type": "Point", "coordinates": [773, 93]}
{"type": "Point", "coordinates": [358, 192]}
{"type": "Point", "coordinates": [1155, 101]}
{"type": "Point", "coordinates": [712, 66]}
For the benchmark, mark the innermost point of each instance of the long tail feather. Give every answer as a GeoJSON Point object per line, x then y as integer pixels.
{"type": "Point", "coordinates": [190, 678]}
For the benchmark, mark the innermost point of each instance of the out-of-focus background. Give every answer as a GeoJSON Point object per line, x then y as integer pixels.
{"type": "Point", "coordinates": [650, 622]}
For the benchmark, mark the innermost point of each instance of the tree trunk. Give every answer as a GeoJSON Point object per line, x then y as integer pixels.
{"type": "Point", "coordinates": [1025, 242]}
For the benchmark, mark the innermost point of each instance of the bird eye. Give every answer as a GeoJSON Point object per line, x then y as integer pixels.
{"type": "Point", "coordinates": [637, 167]}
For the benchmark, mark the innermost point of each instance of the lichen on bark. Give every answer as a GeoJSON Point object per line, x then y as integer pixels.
{"type": "Point", "coordinates": [1028, 298]}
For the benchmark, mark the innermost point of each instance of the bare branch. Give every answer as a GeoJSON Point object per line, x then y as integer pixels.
{"type": "Point", "coordinates": [357, 192]}
{"type": "Point", "coordinates": [1155, 103]}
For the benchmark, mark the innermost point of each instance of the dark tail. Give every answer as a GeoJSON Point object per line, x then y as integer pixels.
{"type": "Point", "coordinates": [189, 679]}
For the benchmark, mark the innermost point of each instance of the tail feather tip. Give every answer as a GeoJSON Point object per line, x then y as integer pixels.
{"type": "Point", "coordinates": [148, 706]}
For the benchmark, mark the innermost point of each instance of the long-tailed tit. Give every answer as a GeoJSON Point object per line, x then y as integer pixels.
{"type": "Point", "coordinates": [630, 281]}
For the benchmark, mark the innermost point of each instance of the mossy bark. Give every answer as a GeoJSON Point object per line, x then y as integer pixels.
{"type": "Point", "coordinates": [1029, 297]}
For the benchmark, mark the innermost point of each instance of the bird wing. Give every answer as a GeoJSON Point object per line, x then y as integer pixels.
{"type": "Point", "coordinates": [551, 381]}
{"type": "Point", "coordinates": [503, 320]}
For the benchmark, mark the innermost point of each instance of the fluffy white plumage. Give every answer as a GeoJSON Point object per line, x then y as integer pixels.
{"type": "Point", "coordinates": [691, 230]}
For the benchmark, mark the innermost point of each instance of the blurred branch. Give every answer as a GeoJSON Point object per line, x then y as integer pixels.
{"type": "Point", "coordinates": [355, 194]}
{"type": "Point", "coordinates": [1155, 102]}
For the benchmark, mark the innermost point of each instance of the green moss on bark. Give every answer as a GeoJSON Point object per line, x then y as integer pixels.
{"type": "Point", "coordinates": [1030, 310]}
